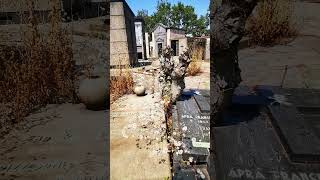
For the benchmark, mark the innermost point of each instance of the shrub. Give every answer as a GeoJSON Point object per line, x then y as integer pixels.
{"type": "Point", "coordinates": [122, 84]}
{"type": "Point", "coordinates": [194, 67]}
{"type": "Point", "coordinates": [271, 22]}
{"type": "Point", "coordinates": [39, 72]}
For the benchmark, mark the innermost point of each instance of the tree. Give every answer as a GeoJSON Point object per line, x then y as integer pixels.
{"type": "Point", "coordinates": [163, 13]}
{"type": "Point", "coordinates": [147, 19]}
{"type": "Point", "coordinates": [227, 28]}
{"type": "Point", "coordinates": [177, 16]}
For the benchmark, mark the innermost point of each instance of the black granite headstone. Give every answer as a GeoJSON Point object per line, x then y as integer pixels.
{"type": "Point", "coordinates": [191, 120]}
{"type": "Point", "coordinates": [280, 142]}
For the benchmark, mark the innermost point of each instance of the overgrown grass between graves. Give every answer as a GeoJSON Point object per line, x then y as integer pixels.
{"type": "Point", "coordinates": [39, 72]}
{"type": "Point", "coordinates": [271, 23]}
{"type": "Point", "coordinates": [194, 67]}
{"type": "Point", "coordinates": [121, 84]}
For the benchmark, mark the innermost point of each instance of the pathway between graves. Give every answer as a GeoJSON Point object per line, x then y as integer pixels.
{"type": "Point", "coordinates": [139, 147]}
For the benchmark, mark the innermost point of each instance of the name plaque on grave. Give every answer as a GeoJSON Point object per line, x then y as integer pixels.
{"type": "Point", "coordinates": [281, 141]}
{"type": "Point", "coordinates": [194, 124]}
{"type": "Point", "coordinates": [197, 128]}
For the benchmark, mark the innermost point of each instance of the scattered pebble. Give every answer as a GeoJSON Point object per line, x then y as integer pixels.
{"type": "Point", "coordinates": [185, 128]}
{"type": "Point", "coordinates": [202, 176]}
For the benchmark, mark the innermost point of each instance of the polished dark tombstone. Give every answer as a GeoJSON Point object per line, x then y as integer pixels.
{"type": "Point", "coordinates": [191, 124]}
{"type": "Point", "coordinates": [269, 133]}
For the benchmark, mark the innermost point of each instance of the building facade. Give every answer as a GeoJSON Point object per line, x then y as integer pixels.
{"type": "Point", "coordinates": [163, 37]}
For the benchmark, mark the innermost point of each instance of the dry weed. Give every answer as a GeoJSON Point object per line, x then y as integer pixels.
{"type": "Point", "coordinates": [272, 22]}
{"type": "Point", "coordinates": [41, 71]}
{"type": "Point", "coordinates": [194, 67]}
{"type": "Point", "coordinates": [122, 84]}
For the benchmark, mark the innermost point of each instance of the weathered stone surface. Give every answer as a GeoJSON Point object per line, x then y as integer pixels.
{"type": "Point", "coordinates": [172, 74]}
{"type": "Point", "coordinates": [228, 20]}
{"type": "Point", "coordinates": [139, 90]}
{"type": "Point", "coordinates": [122, 20]}
{"type": "Point", "coordinates": [256, 147]}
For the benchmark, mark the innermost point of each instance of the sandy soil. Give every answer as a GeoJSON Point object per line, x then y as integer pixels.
{"type": "Point", "coordinates": [138, 128]}
{"type": "Point", "coordinates": [266, 65]}
{"type": "Point", "coordinates": [201, 80]}
{"type": "Point", "coordinates": [56, 143]}
{"type": "Point", "coordinates": [138, 139]}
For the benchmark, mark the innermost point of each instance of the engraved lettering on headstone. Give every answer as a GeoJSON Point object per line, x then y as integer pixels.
{"type": "Point", "coordinates": [249, 174]}
{"type": "Point", "coordinates": [187, 116]}
{"type": "Point", "coordinates": [245, 173]}
{"type": "Point", "coordinates": [67, 135]}
{"type": "Point", "coordinates": [283, 175]}
{"type": "Point", "coordinates": [303, 176]}
{"type": "Point", "coordinates": [39, 139]}
{"type": "Point", "coordinates": [203, 117]}
{"type": "Point", "coordinates": [233, 174]}
{"type": "Point", "coordinates": [259, 175]}
{"type": "Point", "coordinates": [275, 174]}
{"type": "Point", "coordinates": [295, 177]}
{"type": "Point", "coordinates": [313, 176]}
{"type": "Point", "coordinates": [35, 166]}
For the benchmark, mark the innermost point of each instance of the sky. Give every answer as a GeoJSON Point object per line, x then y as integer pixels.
{"type": "Point", "coordinates": [201, 6]}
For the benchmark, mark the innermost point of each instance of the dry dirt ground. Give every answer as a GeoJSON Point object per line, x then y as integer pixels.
{"type": "Point", "coordinates": [138, 130]}
{"type": "Point", "coordinates": [138, 142]}
{"type": "Point", "coordinates": [201, 80]}
{"type": "Point", "coordinates": [56, 143]}
{"type": "Point", "coordinates": [266, 65]}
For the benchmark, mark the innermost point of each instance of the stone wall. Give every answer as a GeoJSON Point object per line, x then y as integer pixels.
{"type": "Point", "coordinates": [123, 49]}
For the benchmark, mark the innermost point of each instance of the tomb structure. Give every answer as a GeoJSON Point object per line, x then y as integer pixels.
{"type": "Point", "coordinates": [140, 38]}
{"type": "Point", "coordinates": [163, 36]}
{"type": "Point", "coordinates": [123, 47]}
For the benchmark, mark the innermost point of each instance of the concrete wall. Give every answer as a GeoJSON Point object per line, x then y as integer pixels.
{"type": "Point", "coordinates": [123, 50]}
